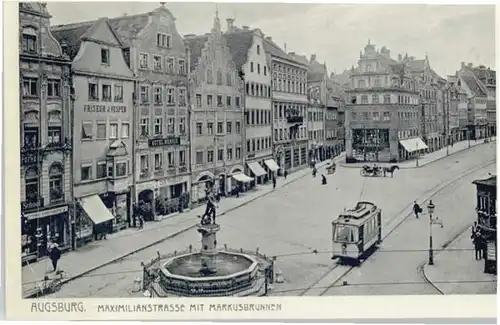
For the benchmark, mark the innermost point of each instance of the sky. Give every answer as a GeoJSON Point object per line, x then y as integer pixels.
{"type": "Point", "coordinates": [336, 33]}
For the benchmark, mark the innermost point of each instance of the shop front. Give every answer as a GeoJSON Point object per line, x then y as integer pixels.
{"type": "Point", "coordinates": [241, 181]}
{"type": "Point", "coordinates": [42, 226]}
{"type": "Point", "coordinates": [172, 195]}
{"type": "Point", "coordinates": [371, 145]}
{"type": "Point", "coordinates": [411, 148]}
{"type": "Point", "coordinates": [272, 167]}
{"type": "Point", "coordinates": [256, 171]}
{"type": "Point", "coordinates": [94, 208]}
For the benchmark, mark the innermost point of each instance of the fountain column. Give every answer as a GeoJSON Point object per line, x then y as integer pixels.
{"type": "Point", "coordinates": [208, 247]}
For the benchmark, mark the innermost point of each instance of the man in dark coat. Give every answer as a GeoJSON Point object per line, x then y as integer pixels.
{"type": "Point", "coordinates": [416, 209]}
{"type": "Point", "coordinates": [285, 174]}
{"type": "Point", "coordinates": [477, 241]}
{"type": "Point", "coordinates": [54, 255]}
{"type": "Point", "coordinates": [274, 183]}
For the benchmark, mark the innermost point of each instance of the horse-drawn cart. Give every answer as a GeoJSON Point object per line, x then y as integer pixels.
{"type": "Point", "coordinates": [377, 171]}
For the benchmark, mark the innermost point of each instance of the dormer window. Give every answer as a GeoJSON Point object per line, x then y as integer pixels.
{"type": "Point", "coordinates": [164, 40]}
{"type": "Point", "coordinates": [104, 56]}
{"type": "Point", "coordinates": [30, 40]}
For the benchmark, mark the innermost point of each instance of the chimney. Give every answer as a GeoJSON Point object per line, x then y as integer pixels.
{"type": "Point", "coordinates": [246, 27]}
{"type": "Point", "coordinates": [285, 47]}
{"type": "Point", "coordinates": [400, 57]}
{"type": "Point", "coordinates": [313, 57]}
{"type": "Point", "coordinates": [463, 64]}
{"type": "Point", "coordinates": [269, 38]}
{"type": "Point", "coordinates": [230, 24]}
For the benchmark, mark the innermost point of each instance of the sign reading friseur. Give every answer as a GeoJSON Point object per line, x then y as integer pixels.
{"type": "Point", "coordinates": [168, 141]}
{"type": "Point", "coordinates": [99, 108]}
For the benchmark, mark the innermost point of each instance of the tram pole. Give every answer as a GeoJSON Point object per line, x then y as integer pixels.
{"type": "Point", "coordinates": [430, 208]}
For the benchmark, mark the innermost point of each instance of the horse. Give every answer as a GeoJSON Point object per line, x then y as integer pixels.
{"type": "Point", "coordinates": [390, 170]}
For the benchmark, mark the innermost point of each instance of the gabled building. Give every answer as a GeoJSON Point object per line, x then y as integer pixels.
{"type": "Point", "coordinates": [383, 113]}
{"type": "Point", "coordinates": [218, 134]}
{"type": "Point", "coordinates": [45, 127]}
{"type": "Point", "coordinates": [289, 96]}
{"type": "Point", "coordinates": [103, 118]}
{"type": "Point", "coordinates": [334, 119]}
{"type": "Point", "coordinates": [247, 49]}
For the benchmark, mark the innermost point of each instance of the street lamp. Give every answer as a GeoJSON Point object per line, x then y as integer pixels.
{"type": "Point", "coordinates": [430, 208]}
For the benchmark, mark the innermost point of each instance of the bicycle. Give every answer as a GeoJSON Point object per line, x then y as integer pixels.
{"type": "Point", "coordinates": [52, 284]}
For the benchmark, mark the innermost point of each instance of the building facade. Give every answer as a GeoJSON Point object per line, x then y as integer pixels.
{"type": "Point", "coordinates": [249, 56]}
{"type": "Point", "coordinates": [45, 127]}
{"type": "Point", "coordinates": [477, 98]}
{"type": "Point", "coordinates": [383, 113]}
{"type": "Point", "coordinates": [102, 124]}
{"type": "Point", "coordinates": [218, 136]}
{"type": "Point", "coordinates": [459, 100]}
{"type": "Point", "coordinates": [317, 77]}
{"type": "Point", "coordinates": [156, 54]}
{"type": "Point", "coordinates": [334, 119]}
{"type": "Point", "coordinates": [289, 96]}
{"type": "Point", "coordinates": [486, 192]}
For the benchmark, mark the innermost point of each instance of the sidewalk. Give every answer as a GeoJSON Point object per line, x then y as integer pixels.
{"type": "Point", "coordinates": [124, 243]}
{"type": "Point", "coordinates": [429, 157]}
{"type": "Point", "coordinates": [455, 270]}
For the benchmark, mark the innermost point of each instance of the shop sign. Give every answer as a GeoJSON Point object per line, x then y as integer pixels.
{"type": "Point", "coordinates": [99, 108]}
{"type": "Point", "coordinates": [168, 141]}
{"type": "Point", "coordinates": [46, 213]}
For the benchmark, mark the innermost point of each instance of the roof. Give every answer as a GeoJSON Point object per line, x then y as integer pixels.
{"type": "Point", "coordinates": [71, 35]}
{"type": "Point", "coordinates": [416, 65]}
{"type": "Point", "coordinates": [195, 45]}
{"type": "Point", "coordinates": [127, 27]}
{"type": "Point", "coordinates": [492, 181]}
{"type": "Point", "coordinates": [274, 50]}
{"type": "Point", "coordinates": [473, 85]}
{"type": "Point", "coordinates": [239, 43]}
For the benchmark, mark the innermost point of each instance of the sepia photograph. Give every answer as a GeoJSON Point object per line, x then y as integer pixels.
{"type": "Point", "coordinates": [212, 150]}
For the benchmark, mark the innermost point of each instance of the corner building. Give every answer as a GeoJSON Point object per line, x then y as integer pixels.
{"type": "Point", "coordinates": [289, 95]}
{"type": "Point", "coordinates": [156, 54]}
{"type": "Point", "coordinates": [45, 148]}
{"type": "Point", "coordinates": [383, 115]}
{"type": "Point", "coordinates": [217, 117]}
{"type": "Point", "coordinates": [247, 49]}
{"type": "Point", "coordinates": [102, 123]}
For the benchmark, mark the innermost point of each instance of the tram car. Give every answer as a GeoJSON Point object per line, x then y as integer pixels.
{"type": "Point", "coordinates": [357, 233]}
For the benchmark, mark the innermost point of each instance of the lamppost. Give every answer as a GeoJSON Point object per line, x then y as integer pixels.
{"type": "Point", "coordinates": [432, 221]}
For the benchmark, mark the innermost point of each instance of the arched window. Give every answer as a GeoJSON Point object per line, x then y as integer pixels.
{"type": "Point", "coordinates": [219, 77]}
{"type": "Point", "coordinates": [56, 183]}
{"type": "Point", "coordinates": [32, 185]}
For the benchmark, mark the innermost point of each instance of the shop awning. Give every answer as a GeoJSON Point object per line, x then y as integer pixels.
{"type": "Point", "coordinates": [240, 177]}
{"type": "Point", "coordinates": [256, 168]}
{"type": "Point", "coordinates": [413, 144]}
{"type": "Point", "coordinates": [272, 165]}
{"type": "Point", "coordinates": [95, 209]}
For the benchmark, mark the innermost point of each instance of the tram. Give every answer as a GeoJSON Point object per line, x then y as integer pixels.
{"type": "Point", "coordinates": [357, 233]}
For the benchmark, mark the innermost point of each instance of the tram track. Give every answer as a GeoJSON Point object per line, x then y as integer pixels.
{"type": "Point", "coordinates": [423, 198]}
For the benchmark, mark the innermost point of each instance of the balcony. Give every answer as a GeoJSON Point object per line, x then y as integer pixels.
{"type": "Point", "coordinates": [145, 174]}
{"type": "Point", "coordinates": [295, 119]}
{"type": "Point", "coordinates": [159, 172]}
{"type": "Point", "coordinates": [172, 170]}
{"type": "Point", "coordinates": [183, 169]}
{"type": "Point", "coordinates": [32, 202]}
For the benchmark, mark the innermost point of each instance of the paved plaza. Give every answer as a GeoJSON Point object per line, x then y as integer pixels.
{"type": "Point", "coordinates": [294, 221]}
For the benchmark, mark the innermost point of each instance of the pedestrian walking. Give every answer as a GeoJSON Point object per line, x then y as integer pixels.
{"type": "Point", "coordinates": [474, 228]}
{"type": "Point", "coordinates": [314, 172]}
{"type": "Point", "coordinates": [54, 254]}
{"type": "Point", "coordinates": [285, 174]}
{"type": "Point", "coordinates": [476, 240]}
{"type": "Point", "coordinates": [141, 222]}
{"type": "Point", "coordinates": [274, 183]}
{"type": "Point", "coordinates": [416, 209]}
{"type": "Point", "coordinates": [323, 179]}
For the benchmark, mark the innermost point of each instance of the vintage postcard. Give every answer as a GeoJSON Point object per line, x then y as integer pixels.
{"type": "Point", "coordinates": [257, 161]}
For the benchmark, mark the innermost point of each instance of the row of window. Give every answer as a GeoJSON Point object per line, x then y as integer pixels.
{"type": "Point", "coordinates": [407, 115]}
{"type": "Point", "coordinates": [316, 134]}
{"type": "Point", "coordinates": [299, 73]}
{"type": "Point", "coordinates": [230, 75]}
{"type": "Point", "coordinates": [288, 86]}
{"type": "Point", "coordinates": [31, 87]}
{"type": "Point", "coordinates": [31, 136]}
{"type": "Point", "coordinates": [264, 68]}
{"type": "Point", "coordinates": [161, 64]}
{"type": "Point", "coordinates": [163, 94]}
{"type": "Point", "coordinates": [258, 144]}
{"type": "Point", "coordinates": [207, 156]}
{"type": "Point", "coordinates": [33, 180]}
{"type": "Point", "coordinates": [315, 116]}
{"type": "Point", "coordinates": [107, 92]}
{"type": "Point", "coordinates": [375, 116]}
{"type": "Point", "coordinates": [159, 127]}
{"type": "Point", "coordinates": [334, 134]}
{"type": "Point", "coordinates": [220, 128]}
{"type": "Point", "coordinates": [105, 130]}
{"type": "Point", "coordinates": [386, 99]}
{"type": "Point", "coordinates": [104, 169]}
{"type": "Point", "coordinates": [405, 134]}
{"type": "Point", "coordinates": [220, 101]}
{"type": "Point", "coordinates": [258, 90]}
{"type": "Point", "coordinates": [173, 159]}
{"type": "Point", "coordinates": [281, 110]}
{"type": "Point", "coordinates": [378, 82]}
{"type": "Point", "coordinates": [331, 116]}
{"type": "Point", "coordinates": [283, 134]}
{"type": "Point", "coordinates": [258, 117]}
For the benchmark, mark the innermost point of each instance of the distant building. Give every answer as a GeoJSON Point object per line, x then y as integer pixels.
{"type": "Point", "coordinates": [334, 119]}
{"type": "Point", "coordinates": [45, 128]}
{"type": "Point", "coordinates": [487, 219]}
{"type": "Point", "coordinates": [248, 53]}
{"type": "Point", "coordinates": [218, 134]}
{"type": "Point", "coordinates": [383, 113]}
{"type": "Point", "coordinates": [289, 94]}
{"type": "Point", "coordinates": [459, 99]}
{"type": "Point", "coordinates": [102, 127]}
